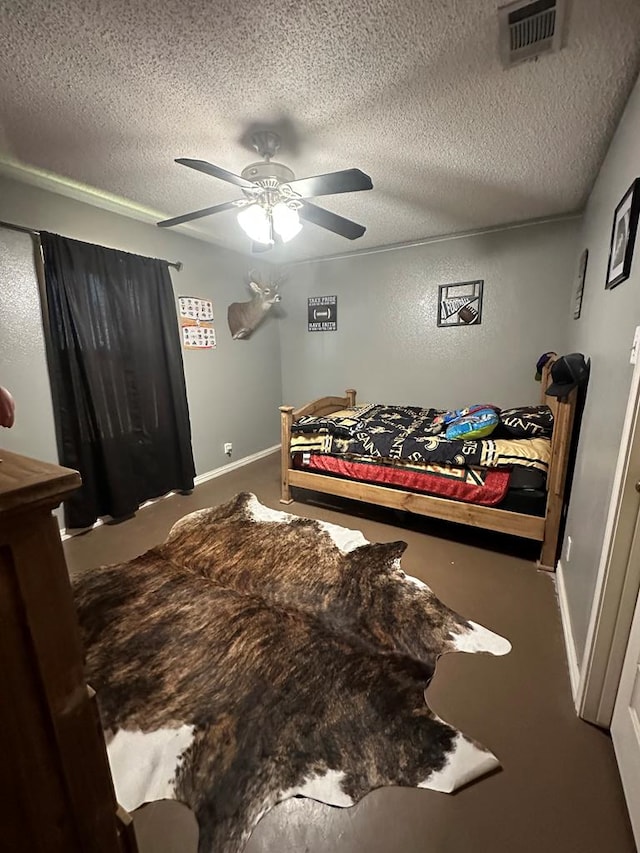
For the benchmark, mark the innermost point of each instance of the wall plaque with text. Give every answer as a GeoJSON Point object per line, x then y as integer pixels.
{"type": "Point", "coordinates": [323, 313]}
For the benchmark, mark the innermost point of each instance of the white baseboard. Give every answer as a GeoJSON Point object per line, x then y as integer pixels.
{"type": "Point", "coordinates": [572, 657]}
{"type": "Point", "coordinates": [201, 478]}
{"type": "Point", "coordinates": [239, 463]}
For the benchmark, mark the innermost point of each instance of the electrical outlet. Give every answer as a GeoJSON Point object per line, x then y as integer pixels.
{"type": "Point", "coordinates": [567, 555]}
{"type": "Point", "coordinates": [228, 447]}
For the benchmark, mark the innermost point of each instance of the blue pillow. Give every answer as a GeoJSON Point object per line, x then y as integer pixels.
{"type": "Point", "coordinates": [478, 424]}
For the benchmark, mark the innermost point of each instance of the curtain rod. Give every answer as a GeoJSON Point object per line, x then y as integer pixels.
{"type": "Point", "coordinates": [175, 264]}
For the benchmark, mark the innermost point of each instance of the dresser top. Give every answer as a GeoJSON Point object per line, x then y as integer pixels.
{"type": "Point", "coordinates": [27, 482]}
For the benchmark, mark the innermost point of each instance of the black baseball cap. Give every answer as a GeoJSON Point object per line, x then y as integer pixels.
{"type": "Point", "coordinates": [567, 372]}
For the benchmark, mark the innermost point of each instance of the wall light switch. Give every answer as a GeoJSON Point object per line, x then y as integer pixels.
{"type": "Point", "coordinates": [634, 347]}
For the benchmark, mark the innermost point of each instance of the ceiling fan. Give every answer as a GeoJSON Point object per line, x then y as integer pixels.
{"type": "Point", "coordinates": [274, 201]}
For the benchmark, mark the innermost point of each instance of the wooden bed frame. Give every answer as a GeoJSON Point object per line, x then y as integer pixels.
{"type": "Point", "coordinates": [544, 529]}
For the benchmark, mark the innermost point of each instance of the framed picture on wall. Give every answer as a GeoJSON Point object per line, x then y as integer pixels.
{"type": "Point", "coordinates": [460, 304]}
{"type": "Point", "coordinates": [322, 313]}
{"type": "Point", "coordinates": [623, 236]}
{"type": "Point", "coordinates": [582, 271]}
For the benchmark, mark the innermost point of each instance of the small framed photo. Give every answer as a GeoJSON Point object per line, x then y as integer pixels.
{"type": "Point", "coordinates": [460, 304]}
{"type": "Point", "coordinates": [623, 236]}
{"type": "Point", "coordinates": [582, 271]}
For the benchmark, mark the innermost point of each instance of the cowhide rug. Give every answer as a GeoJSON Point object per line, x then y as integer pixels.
{"type": "Point", "coordinates": [257, 656]}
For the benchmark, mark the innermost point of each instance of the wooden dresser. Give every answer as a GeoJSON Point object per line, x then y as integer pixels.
{"type": "Point", "coordinates": [56, 793]}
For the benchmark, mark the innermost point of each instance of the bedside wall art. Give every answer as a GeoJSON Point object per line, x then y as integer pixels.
{"type": "Point", "coordinates": [460, 304]}
{"type": "Point", "coordinates": [582, 271]}
{"type": "Point", "coordinates": [623, 236]}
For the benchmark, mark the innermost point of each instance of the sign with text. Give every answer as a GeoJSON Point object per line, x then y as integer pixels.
{"type": "Point", "coordinates": [323, 313]}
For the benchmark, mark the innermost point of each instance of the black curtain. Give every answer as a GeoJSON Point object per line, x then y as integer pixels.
{"type": "Point", "coordinates": [117, 378]}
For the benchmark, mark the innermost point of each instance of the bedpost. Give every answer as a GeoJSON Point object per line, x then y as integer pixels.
{"type": "Point", "coordinates": [286, 420]}
{"type": "Point", "coordinates": [351, 396]}
{"type": "Point", "coordinates": [563, 413]}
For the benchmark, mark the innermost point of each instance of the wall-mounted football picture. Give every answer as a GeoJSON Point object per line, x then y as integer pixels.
{"type": "Point", "coordinates": [582, 271]}
{"type": "Point", "coordinates": [623, 236]}
{"type": "Point", "coordinates": [460, 304]}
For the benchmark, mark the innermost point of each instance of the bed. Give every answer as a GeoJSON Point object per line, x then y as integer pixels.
{"type": "Point", "coordinates": [337, 474]}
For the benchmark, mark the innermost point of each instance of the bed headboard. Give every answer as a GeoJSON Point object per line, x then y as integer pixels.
{"type": "Point", "coordinates": [546, 399]}
{"type": "Point", "coordinates": [563, 409]}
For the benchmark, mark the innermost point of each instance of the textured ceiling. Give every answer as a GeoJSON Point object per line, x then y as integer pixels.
{"type": "Point", "coordinates": [109, 92]}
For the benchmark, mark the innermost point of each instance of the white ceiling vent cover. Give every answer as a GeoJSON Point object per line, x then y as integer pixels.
{"type": "Point", "coordinates": [527, 30]}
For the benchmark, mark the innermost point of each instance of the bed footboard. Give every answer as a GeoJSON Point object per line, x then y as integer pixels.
{"type": "Point", "coordinates": [288, 416]}
{"type": "Point", "coordinates": [286, 420]}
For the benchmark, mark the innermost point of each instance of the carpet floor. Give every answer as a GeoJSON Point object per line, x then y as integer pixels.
{"type": "Point", "coordinates": [559, 789]}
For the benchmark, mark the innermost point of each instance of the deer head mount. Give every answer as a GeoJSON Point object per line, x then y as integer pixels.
{"type": "Point", "coordinates": [243, 317]}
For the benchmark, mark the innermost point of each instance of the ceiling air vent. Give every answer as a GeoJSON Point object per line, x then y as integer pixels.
{"type": "Point", "coordinates": [527, 30]}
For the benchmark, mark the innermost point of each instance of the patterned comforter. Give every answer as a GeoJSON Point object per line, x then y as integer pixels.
{"type": "Point", "coordinates": [409, 433]}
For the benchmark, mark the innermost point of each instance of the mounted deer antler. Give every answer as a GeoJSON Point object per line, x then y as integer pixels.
{"type": "Point", "coordinates": [243, 317]}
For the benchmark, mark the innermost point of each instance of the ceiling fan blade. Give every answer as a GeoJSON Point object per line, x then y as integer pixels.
{"type": "Point", "coordinates": [347, 181]}
{"type": "Point", "coordinates": [215, 171]}
{"type": "Point", "coordinates": [197, 214]}
{"type": "Point", "coordinates": [331, 221]}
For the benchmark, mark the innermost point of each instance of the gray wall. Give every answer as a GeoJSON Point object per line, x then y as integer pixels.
{"type": "Point", "coordinates": [23, 364]}
{"type": "Point", "coordinates": [605, 332]}
{"type": "Point", "coordinates": [226, 387]}
{"type": "Point", "coordinates": [388, 346]}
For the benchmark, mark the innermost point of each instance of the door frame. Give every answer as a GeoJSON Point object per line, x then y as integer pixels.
{"type": "Point", "coordinates": [618, 582]}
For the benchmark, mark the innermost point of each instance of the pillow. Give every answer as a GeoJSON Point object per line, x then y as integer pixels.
{"type": "Point", "coordinates": [446, 418]}
{"type": "Point", "coordinates": [479, 423]}
{"type": "Point", "coordinates": [528, 421]}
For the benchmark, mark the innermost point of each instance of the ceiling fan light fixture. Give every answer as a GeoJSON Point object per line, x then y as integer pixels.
{"type": "Point", "coordinates": [254, 221]}
{"type": "Point", "coordinates": [286, 221]}
{"type": "Point", "coordinates": [274, 202]}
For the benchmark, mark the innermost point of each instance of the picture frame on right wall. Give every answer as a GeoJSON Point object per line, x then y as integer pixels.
{"type": "Point", "coordinates": [582, 272]}
{"type": "Point", "coordinates": [623, 236]}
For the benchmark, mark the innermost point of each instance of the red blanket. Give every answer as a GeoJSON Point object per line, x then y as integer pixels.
{"type": "Point", "coordinates": [485, 486]}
